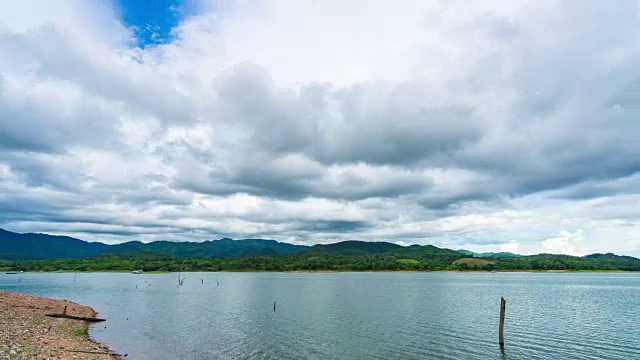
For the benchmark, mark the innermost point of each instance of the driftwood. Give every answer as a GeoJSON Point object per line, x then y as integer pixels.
{"type": "Point", "coordinates": [71, 317]}
{"type": "Point", "coordinates": [91, 352]}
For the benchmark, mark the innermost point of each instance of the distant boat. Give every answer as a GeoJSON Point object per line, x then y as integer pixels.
{"type": "Point", "coordinates": [137, 272]}
{"type": "Point", "coordinates": [12, 273]}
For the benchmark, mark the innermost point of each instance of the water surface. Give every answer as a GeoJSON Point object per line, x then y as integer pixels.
{"type": "Point", "coordinates": [355, 315]}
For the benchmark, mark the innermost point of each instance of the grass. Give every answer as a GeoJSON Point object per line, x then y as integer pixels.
{"type": "Point", "coordinates": [474, 262]}
{"type": "Point", "coordinates": [34, 320]}
{"type": "Point", "coordinates": [71, 329]}
{"type": "Point", "coordinates": [81, 332]}
{"type": "Point", "coordinates": [408, 262]}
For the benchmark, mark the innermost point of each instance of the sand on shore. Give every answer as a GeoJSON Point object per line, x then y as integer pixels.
{"type": "Point", "coordinates": [26, 333]}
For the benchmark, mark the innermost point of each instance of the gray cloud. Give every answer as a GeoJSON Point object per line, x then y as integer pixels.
{"type": "Point", "coordinates": [337, 226]}
{"type": "Point", "coordinates": [466, 128]}
{"type": "Point", "coordinates": [373, 123]}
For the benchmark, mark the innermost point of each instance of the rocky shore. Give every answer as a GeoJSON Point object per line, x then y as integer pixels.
{"type": "Point", "coordinates": [26, 333]}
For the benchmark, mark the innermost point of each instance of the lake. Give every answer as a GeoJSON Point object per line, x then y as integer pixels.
{"type": "Point", "coordinates": [436, 315]}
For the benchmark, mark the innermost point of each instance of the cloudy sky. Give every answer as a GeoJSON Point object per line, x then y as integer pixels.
{"type": "Point", "coordinates": [502, 125]}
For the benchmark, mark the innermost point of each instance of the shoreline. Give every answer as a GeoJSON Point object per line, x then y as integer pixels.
{"type": "Point", "coordinates": [335, 271]}
{"type": "Point", "coordinates": [26, 333]}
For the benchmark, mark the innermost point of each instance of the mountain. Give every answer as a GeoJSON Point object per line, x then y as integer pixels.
{"type": "Point", "coordinates": [424, 250]}
{"type": "Point", "coordinates": [610, 256]}
{"type": "Point", "coordinates": [15, 246]}
{"type": "Point", "coordinates": [367, 248]}
{"type": "Point", "coordinates": [467, 252]}
{"type": "Point", "coordinates": [352, 248]}
{"type": "Point", "coordinates": [58, 252]}
{"type": "Point", "coordinates": [213, 248]}
{"type": "Point", "coordinates": [494, 255]}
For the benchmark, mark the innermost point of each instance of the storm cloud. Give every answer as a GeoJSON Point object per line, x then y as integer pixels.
{"type": "Point", "coordinates": [489, 126]}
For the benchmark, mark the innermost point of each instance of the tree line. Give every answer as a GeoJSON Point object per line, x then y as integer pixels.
{"type": "Point", "coordinates": [323, 262]}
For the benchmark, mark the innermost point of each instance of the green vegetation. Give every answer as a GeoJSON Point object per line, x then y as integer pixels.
{"type": "Point", "coordinates": [352, 248]}
{"type": "Point", "coordinates": [15, 246]}
{"type": "Point", "coordinates": [41, 252]}
{"type": "Point", "coordinates": [411, 258]}
{"type": "Point", "coordinates": [474, 262]}
{"type": "Point", "coordinates": [488, 254]}
{"type": "Point", "coordinates": [565, 262]}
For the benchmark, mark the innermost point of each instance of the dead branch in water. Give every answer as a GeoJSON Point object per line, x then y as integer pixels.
{"type": "Point", "coordinates": [93, 352]}
{"type": "Point", "coordinates": [71, 317]}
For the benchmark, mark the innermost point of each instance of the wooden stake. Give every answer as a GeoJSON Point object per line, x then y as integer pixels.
{"type": "Point", "coordinates": [503, 304]}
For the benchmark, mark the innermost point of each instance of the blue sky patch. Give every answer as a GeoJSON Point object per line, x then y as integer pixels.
{"type": "Point", "coordinates": [152, 20]}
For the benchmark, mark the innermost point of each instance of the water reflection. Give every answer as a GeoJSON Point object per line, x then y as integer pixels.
{"type": "Point", "coordinates": [355, 315]}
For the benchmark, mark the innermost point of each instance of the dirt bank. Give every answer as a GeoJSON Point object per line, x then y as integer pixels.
{"type": "Point", "coordinates": [26, 333]}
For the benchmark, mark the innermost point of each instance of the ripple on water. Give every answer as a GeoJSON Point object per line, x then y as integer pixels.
{"type": "Point", "coordinates": [356, 315]}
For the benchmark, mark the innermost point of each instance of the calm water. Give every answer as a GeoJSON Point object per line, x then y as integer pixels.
{"type": "Point", "coordinates": [355, 315]}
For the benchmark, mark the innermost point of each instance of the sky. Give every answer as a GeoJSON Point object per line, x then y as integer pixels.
{"type": "Point", "coordinates": [490, 126]}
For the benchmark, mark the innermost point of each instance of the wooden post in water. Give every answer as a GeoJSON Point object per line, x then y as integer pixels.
{"type": "Point", "coordinates": [503, 304]}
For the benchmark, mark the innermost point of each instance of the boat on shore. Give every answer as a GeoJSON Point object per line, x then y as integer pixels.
{"type": "Point", "coordinates": [137, 272]}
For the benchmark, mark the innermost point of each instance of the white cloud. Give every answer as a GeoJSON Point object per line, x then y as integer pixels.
{"type": "Point", "coordinates": [512, 247]}
{"type": "Point", "coordinates": [487, 126]}
{"type": "Point", "coordinates": [565, 242]}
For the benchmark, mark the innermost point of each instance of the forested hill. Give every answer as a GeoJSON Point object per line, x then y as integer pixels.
{"type": "Point", "coordinates": [397, 260]}
{"type": "Point", "coordinates": [489, 254]}
{"type": "Point", "coordinates": [15, 246]}
{"type": "Point", "coordinates": [352, 248]}
{"type": "Point", "coordinates": [42, 252]}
